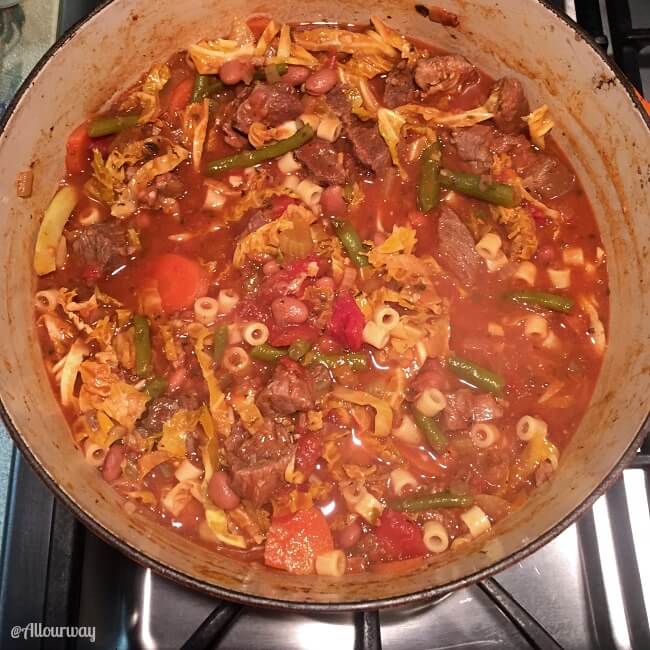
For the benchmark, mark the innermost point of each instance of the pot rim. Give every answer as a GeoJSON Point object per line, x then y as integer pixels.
{"type": "Point", "coordinates": [418, 597]}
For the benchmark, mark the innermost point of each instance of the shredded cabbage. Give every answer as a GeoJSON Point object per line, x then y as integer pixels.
{"type": "Point", "coordinates": [208, 56]}
{"type": "Point", "coordinates": [195, 126]}
{"type": "Point", "coordinates": [445, 118]}
{"type": "Point", "coordinates": [266, 239]}
{"type": "Point", "coordinates": [219, 409]}
{"type": "Point", "coordinates": [148, 96]}
{"type": "Point", "coordinates": [255, 199]}
{"type": "Point", "coordinates": [390, 124]}
{"type": "Point", "coordinates": [539, 123]}
{"type": "Point", "coordinates": [596, 332]}
{"type": "Point", "coordinates": [217, 521]}
{"type": "Point", "coordinates": [402, 240]}
{"type": "Point", "coordinates": [248, 412]}
{"type": "Point", "coordinates": [157, 166]}
{"type": "Point", "coordinates": [51, 229]}
{"type": "Point", "coordinates": [521, 231]}
{"type": "Point", "coordinates": [384, 414]}
{"type": "Point", "coordinates": [178, 497]}
{"type": "Point", "coordinates": [175, 432]}
{"type": "Point", "coordinates": [264, 43]}
{"type": "Point", "coordinates": [323, 39]}
{"type": "Point", "coordinates": [392, 37]}
{"type": "Point", "coordinates": [70, 369]}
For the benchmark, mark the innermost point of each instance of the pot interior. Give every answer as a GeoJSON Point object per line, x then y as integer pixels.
{"type": "Point", "coordinates": [600, 129]}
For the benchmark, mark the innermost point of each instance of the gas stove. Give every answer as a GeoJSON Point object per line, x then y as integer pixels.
{"type": "Point", "coordinates": [589, 588]}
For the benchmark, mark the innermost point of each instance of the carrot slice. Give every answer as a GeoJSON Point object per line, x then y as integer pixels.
{"type": "Point", "coordinates": [180, 281]}
{"type": "Point", "coordinates": [293, 543]}
{"type": "Point", "coordinates": [76, 151]}
{"type": "Point", "coordinates": [180, 95]}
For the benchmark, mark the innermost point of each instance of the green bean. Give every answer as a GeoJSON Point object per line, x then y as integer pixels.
{"type": "Point", "coordinates": [143, 352]}
{"type": "Point", "coordinates": [262, 74]}
{"type": "Point", "coordinates": [268, 353]}
{"type": "Point", "coordinates": [155, 387]}
{"type": "Point", "coordinates": [257, 156]}
{"type": "Point", "coordinates": [111, 124]}
{"type": "Point", "coordinates": [351, 241]}
{"type": "Point", "coordinates": [205, 85]}
{"type": "Point", "coordinates": [298, 349]}
{"type": "Point", "coordinates": [432, 432]}
{"type": "Point", "coordinates": [475, 186]}
{"type": "Point", "coordinates": [219, 343]}
{"type": "Point", "coordinates": [355, 360]}
{"type": "Point", "coordinates": [476, 375]}
{"type": "Point", "coordinates": [552, 301]}
{"type": "Point", "coordinates": [428, 187]}
{"type": "Point", "coordinates": [431, 501]}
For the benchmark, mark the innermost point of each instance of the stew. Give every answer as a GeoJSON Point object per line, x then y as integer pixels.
{"type": "Point", "coordinates": [324, 297]}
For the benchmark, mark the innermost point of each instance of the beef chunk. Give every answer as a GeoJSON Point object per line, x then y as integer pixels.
{"type": "Point", "coordinates": [339, 103]}
{"type": "Point", "coordinates": [231, 137]}
{"type": "Point", "coordinates": [169, 185]}
{"type": "Point", "coordinates": [323, 162]}
{"type": "Point", "coordinates": [474, 145]}
{"type": "Point", "coordinates": [102, 247]}
{"type": "Point", "coordinates": [257, 461]}
{"type": "Point", "coordinates": [289, 391]}
{"type": "Point", "coordinates": [546, 176]}
{"type": "Point", "coordinates": [161, 409]}
{"type": "Point", "coordinates": [443, 73]}
{"type": "Point", "coordinates": [456, 247]}
{"type": "Point", "coordinates": [270, 105]}
{"type": "Point", "coordinates": [465, 406]}
{"type": "Point", "coordinates": [400, 87]}
{"type": "Point", "coordinates": [512, 105]}
{"type": "Point", "coordinates": [368, 145]}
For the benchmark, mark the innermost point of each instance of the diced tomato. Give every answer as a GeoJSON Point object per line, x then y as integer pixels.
{"type": "Point", "coordinates": [283, 336]}
{"type": "Point", "coordinates": [280, 203]}
{"type": "Point", "coordinates": [77, 148]}
{"type": "Point", "coordinates": [347, 322]}
{"type": "Point", "coordinates": [293, 543]}
{"type": "Point", "coordinates": [399, 537]}
{"type": "Point", "coordinates": [180, 95]}
{"type": "Point", "coordinates": [424, 461]}
{"type": "Point", "coordinates": [308, 452]}
{"type": "Point", "coordinates": [180, 281]}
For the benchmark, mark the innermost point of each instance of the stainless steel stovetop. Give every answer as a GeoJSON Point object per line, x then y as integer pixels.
{"type": "Point", "coordinates": [589, 588]}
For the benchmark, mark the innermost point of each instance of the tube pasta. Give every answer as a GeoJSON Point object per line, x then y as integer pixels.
{"type": "Point", "coordinates": [536, 327]}
{"type": "Point", "coordinates": [255, 333]}
{"type": "Point", "coordinates": [312, 119]}
{"type": "Point", "coordinates": [46, 300]}
{"type": "Point", "coordinates": [484, 435]}
{"type": "Point", "coordinates": [560, 278]}
{"type": "Point", "coordinates": [573, 256]}
{"type": "Point", "coordinates": [551, 342]}
{"type": "Point", "coordinates": [430, 402]}
{"type": "Point", "coordinates": [435, 537]}
{"type": "Point", "coordinates": [526, 272]}
{"type": "Point", "coordinates": [206, 310]}
{"type": "Point", "coordinates": [309, 192]}
{"type": "Point", "coordinates": [407, 431]}
{"type": "Point", "coordinates": [359, 500]}
{"type": "Point", "coordinates": [386, 317]}
{"type": "Point", "coordinates": [236, 359]}
{"type": "Point", "coordinates": [476, 520]}
{"type": "Point", "coordinates": [375, 335]}
{"type": "Point", "coordinates": [497, 263]}
{"type": "Point", "coordinates": [461, 541]}
{"type": "Point", "coordinates": [228, 300]}
{"type": "Point", "coordinates": [94, 454]}
{"type": "Point", "coordinates": [291, 182]}
{"type": "Point", "coordinates": [400, 479]}
{"type": "Point", "coordinates": [288, 164]}
{"type": "Point", "coordinates": [529, 427]}
{"type": "Point", "coordinates": [489, 246]}
{"type": "Point", "coordinates": [329, 129]}
{"type": "Point", "coordinates": [331, 563]}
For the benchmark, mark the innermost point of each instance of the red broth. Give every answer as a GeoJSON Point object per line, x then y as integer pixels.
{"type": "Point", "coordinates": [331, 443]}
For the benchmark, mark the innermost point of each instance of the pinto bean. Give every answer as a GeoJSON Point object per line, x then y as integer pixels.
{"type": "Point", "coordinates": [295, 75]}
{"type": "Point", "coordinates": [348, 537]}
{"type": "Point", "coordinates": [221, 493]}
{"type": "Point", "coordinates": [289, 311]}
{"type": "Point", "coordinates": [321, 81]}
{"type": "Point", "coordinates": [332, 202]}
{"type": "Point", "coordinates": [111, 469]}
{"type": "Point", "coordinates": [326, 282]}
{"type": "Point", "coordinates": [232, 72]}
